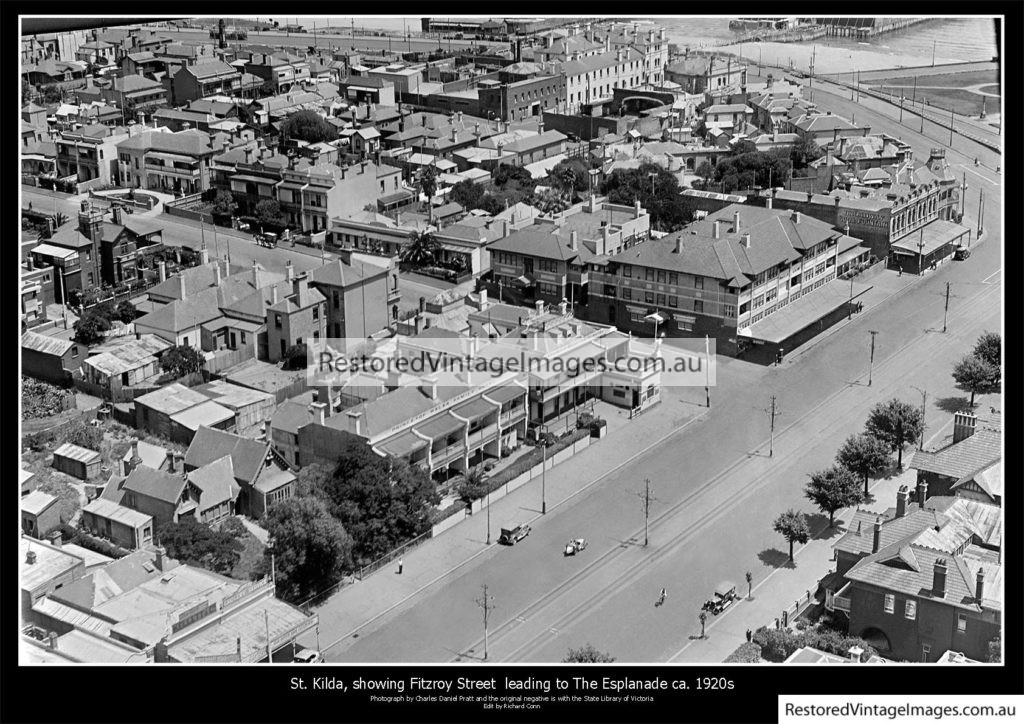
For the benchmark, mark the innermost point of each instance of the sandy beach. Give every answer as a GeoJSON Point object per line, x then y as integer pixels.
{"type": "Point", "coordinates": [830, 59]}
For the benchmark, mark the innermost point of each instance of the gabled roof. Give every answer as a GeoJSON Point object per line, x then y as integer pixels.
{"type": "Point", "coordinates": [190, 143]}
{"type": "Point", "coordinates": [45, 345]}
{"type": "Point", "coordinates": [963, 458]}
{"type": "Point", "coordinates": [132, 83]}
{"type": "Point", "coordinates": [339, 274]}
{"type": "Point", "coordinates": [216, 482]}
{"type": "Point", "coordinates": [155, 484]}
{"type": "Point", "coordinates": [209, 444]}
{"type": "Point", "coordinates": [209, 69]}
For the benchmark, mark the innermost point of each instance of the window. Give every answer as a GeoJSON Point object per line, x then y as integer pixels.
{"type": "Point", "coordinates": [74, 350]}
{"type": "Point", "coordinates": [661, 276]}
{"type": "Point", "coordinates": [730, 310]}
{"type": "Point", "coordinates": [649, 275]}
{"type": "Point", "coordinates": [673, 301]}
{"type": "Point", "coordinates": [661, 300]}
{"type": "Point", "coordinates": [698, 306]}
{"type": "Point", "coordinates": [649, 297]}
{"type": "Point", "coordinates": [673, 278]}
{"type": "Point", "coordinates": [910, 610]}
{"type": "Point", "coordinates": [609, 290]}
{"type": "Point", "coordinates": [627, 293]}
{"type": "Point", "coordinates": [277, 321]}
{"type": "Point", "coordinates": [698, 282]}
{"type": "Point", "coordinates": [316, 312]}
{"type": "Point", "coordinates": [745, 307]}
{"type": "Point", "coordinates": [961, 623]}
{"type": "Point", "coordinates": [243, 337]}
{"type": "Point", "coordinates": [758, 301]}
{"type": "Point", "coordinates": [890, 603]}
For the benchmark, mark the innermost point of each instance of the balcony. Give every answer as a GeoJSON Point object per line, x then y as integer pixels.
{"type": "Point", "coordinates": [507, 418]}
{"type": "Point", "coordinates": [445, 455]}
{"type": "Point", "coordinates": [483, 435]}
{"type": "Point", "coordinates": [837, 601]}
{"type": "Point", "coordinates": [172, 170]}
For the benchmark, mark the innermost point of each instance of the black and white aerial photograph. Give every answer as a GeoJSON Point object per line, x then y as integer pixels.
{"type": "Point", "coordinates": [613, 368]}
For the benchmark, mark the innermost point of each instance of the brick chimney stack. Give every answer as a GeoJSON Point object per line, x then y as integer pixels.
{"type": "Point", "coordinates": [877, 537]}
{"type": "Point", "coordinates": [979, 588]}
{"type": "Point", "coordinates": [939, 578]}
{"type": "Point", "coordinates": [901, 501]}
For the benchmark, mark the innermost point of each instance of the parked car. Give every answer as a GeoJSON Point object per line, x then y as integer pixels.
{"type": "Point", "coordinates": [575, 546]}
{"type": "Point", "coordinates": [308, 656]}
{"type": "Point", "coordinates": [961, 253]}
{"type": "Point", "coordinates": [725, 594]}
{"type": "Point", "coordinates": [511, 536]}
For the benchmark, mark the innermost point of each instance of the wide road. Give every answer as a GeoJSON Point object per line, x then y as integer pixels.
{"type": "Point", "coordinates": [717, 490]}
{"type": "Point", "coordinates": [393, 43]}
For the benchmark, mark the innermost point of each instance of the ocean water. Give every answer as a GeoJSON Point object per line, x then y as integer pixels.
{"type": "Point", "coordinates": [953, 39]}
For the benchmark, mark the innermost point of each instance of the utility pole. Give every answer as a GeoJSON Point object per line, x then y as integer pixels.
{"type": "Point", "coordinates": [773, 412]}
{"type": "Point", "coordinates": [901, 109]}
{"type": "Point", "coordinates": [871, 364]}
{"type": "Point", "coordinates": [933, 53]}
{"type": "Point", "coordinates": [951, 126]}
{"type": "Point", "coordinates": [920, 252]}
{"type": "Point", "coordinates": [707, 370]}
{"type": "Point", "coordinates": [924, 407]}
{"type": "Point", "coordinates": [647, 498]}
{"type": "Point", "coordinates": [484, 602]}
{"type": "Point", "coordinates": [487, 504]}
{"type": "Point", "coordinates": [544, 470]}
{"type": "Point", "coordinates": [981, 210]}
{"type": "Point", "coordinates": [913, 96]}
{"type": "Point", "coordinates": [851, 299]}
{"type": "Point", "coordinates": [266, 624]}
{"type": "Point", "coordinates": [945, 312]}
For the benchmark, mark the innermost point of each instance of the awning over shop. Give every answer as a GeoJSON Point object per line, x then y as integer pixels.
{"type": "Point", "coordinates": [805, 311]}
{"type": "Point", "coordinates": [402, 445]}
{"type": "Point", "coordinates": [930, 238]}
{"type": "Point", "coordinates": [395, 198]}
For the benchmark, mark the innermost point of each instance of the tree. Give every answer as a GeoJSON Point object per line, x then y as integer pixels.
{"type": "Point", "coordinates": [754, 168]}
{"type": "Point", "coordinates": [587, 655]}
{"type": "Point", "coordinates": [422, 251]}
{"type": "Point", "coordinates": [804, 151]}
{"type": "Point", "coordinates": [268, 213]}
{"type": "Point", "coordinates": [26, 92]}
{"type": "Point", "coordinates": [569, 176]}
{"type": "Point", "coordinates": [777, 644]}
{"type": "Point", "coordinates": [382, 502]}
{"type": "Point", "coordinates": [195, 543]}
{"type": "Point", "coordinates": [895, 423]}
{"type": "Point", "coordinates": [467, 194]}
{"type": "Point", "coordinates": [703, 618]}
{"type": "Point", "coordinates": [975, 375]}
{"type": "Point", "coordinates": [473, 486]}
{"type": "Point", "coordinates": [308, 126]}
{"type": "Point", "coordinates": [125, 312]}
{"type": "Point", "coordinates": [89, 329]}
{"type": "Point", "coordinates": [833, 489]}
{"type": "Point", "coordinates": [428, 181]}
{"type": "Point", "coordinates": [512, 175]}
{"type": "Point", "coordinates": [705, 172]}
{"type": "Point", "coordinates": [224, 204]}
{"type": "Point", "coordinates": [745, 653]}
{"type": "Point", "coordinates": [865, 455]}
{"type": "Point", "coordinates": [52, 93]}
{"type": "Point", "coordinates": [792, 525]}
{"type": "Point", "coordinates": [659, 196]}
{"type": "Point", "coordinates": [295, 357]}
{"type": "Point", "coordinates": [83, 435]}
{"type": "Point", "coordinates": [750, 585]}
{"type": "Point", "coordinates": [548, 201]}
{"type": "Point", "coordinates": [311, 548]}
{"type": "Point", "coordinates": [989, 349]}
{"type": "Point", "coordinates": [182, 360]}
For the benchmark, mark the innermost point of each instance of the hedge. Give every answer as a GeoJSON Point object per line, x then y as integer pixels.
{"type": "Point", "coordinates": [748, 653]}
{"type": "Point", "coordinates": [532, 459]}
{"type": "Point", "coordinates": [91, 542]}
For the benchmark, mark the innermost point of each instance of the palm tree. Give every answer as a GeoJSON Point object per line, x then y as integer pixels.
{"type": "Point", "coordinates": [422, 251]}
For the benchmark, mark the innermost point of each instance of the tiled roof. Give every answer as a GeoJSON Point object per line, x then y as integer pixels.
{"type": "Point", "coordinates": [339, 274]}
{"type": "Point", "coordinates": [963, 458]}
{"type": "Point", "coordinates": [209, 69]}
{"type": "Point", "coordinates": [247, 455]}
{"type": "Point", "coordinates": [290, 416]}
{"type": "Point", "coordinates": [155, 484]}
{"type": "Point", "coordinates": [132, 83]}
{"type": "Point", "coordinates": [216, 481]}
{"type": "Point", "coordinates": [189, 143]}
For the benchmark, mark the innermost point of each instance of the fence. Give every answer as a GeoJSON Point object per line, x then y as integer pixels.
{"type": "Point", "coordinates": [388, 557]}
{"type": "Point", "coordinates": [225, 358]}
{"type": "Point", "coordinates": [800, 605]}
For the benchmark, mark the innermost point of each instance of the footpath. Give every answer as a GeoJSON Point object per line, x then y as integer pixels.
{"type": "Point", "coordinates": [364, 605]}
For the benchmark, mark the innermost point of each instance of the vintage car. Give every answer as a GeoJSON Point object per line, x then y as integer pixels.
{"type": "Point", "coordinates": [511, 536]}
{"type": "Point", "coordinates": [575, 546]}
{"type": "Point", "coordinates": [725, 594]}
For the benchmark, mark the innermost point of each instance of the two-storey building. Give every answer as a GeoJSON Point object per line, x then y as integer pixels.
{"type": "Point", "coordinates": [171, 162]}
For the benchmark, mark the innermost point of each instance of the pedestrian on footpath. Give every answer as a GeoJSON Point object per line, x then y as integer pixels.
{"type": "Point", "coordinates": [901, 271]}
{"type": "Point", "coordinates": [750, 636]}
{"type": "Point", "coordinates": [399, 566]}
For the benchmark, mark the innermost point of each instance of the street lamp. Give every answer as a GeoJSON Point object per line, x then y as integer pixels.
{"type": "Point", "coordinates": [924, 402]}
{"type": "Point", "coordinates": [543, 469]}
{"type": "Point", "coordinates": [487, 504]}
{"type": "Point", "coordinates": [871, 364]}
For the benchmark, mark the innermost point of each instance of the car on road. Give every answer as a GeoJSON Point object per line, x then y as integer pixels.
{"type": "Point", "coordinates": [575, 546]}
{"type": "Point", "coordinates": [725, 594]}
{"type": "Point", "coordinates": [308, 656]}
{"type": "Point", "coordinates": [511, 536]}
{"type": "Point", "coordinates": [961, 253]}
{"type": "Point", "coordinates": [266, 239]}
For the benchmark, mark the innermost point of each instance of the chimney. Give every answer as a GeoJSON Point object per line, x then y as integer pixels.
{"type": "Point", "coordinates": [573, 240]}
{"type": "Point", "coordinates": [796, 217]}
{"type": "Point", "coordinates": [55, 540]}
{"type": "Point", "coordinates": [679, 245]}
{"type": "Point", "coordinates": [768, 202]}
{"type": "Point", "coordinates": [160, 561]}
{"type": "Point", "coordinates": [504, 228]}
{"type": "Point", "coordinates": [248, 155]}
{"type": "Point", "coordinates": [319, 410]}
{"type": "Point", "coordinates": [255, 274]}
{"type": "Point", "coordinates": [922, 493]}
{"type": "Point", "coordinates": [736, 222]}
{"type": "Point", "coordinates": [162, 266]}
{"type": "Point", "coordinates": [483, 299]}
{"type": "Point", "coordinates": [355, 422]}
{"type": "Point", "coordinates": [979, 586]}
{"type": "Point", "coordinates": [901, 501]}
{"type": "Point", "coordinates": [455, 134]}
{"type": "Point", "coordinates": [273, 295]}
{"type": "Point", "coordinates": [429, 386]}
{"type": "Point", "coordinates": [30, 558]}
{"type": "Point", "coordinates": [51, 639]}
{"type": "Point", "coordinates": [179, 462]}
{"type": "Point", "coordinates": [289, 271]}
{"type": "Point", "coordinates": [605, 234]}
{"type": "Point", "coordinates": [299, 285]}
{"type": "Point", "coordinates": [423, 305]}
{"type": "Point", "coordinates": [636, 209]}
{"type": "Point", "coordinates": [181, 286]}
{"type": "Point", "coordinates": [135, 459]}
{"type": "Point", "coordinates": [593, 204]}
{"type": "Point", "coordinates": [939, 578]}
{"type": "Point", "coordinates": [170, 461]}
{"type": "Point", "coordinates": [745, 240]}
{"type": "Point", "coordinates": [540, 306]}
{"type": "Point", "coordinates": [877, 537]}
{"type": "Point", "coordinates": [116, 214]}
{"type": "Point", "coordinates": [329, 398]}
{"type": "Point", "coordinates": [964, 424]}
{"type": "Point", "coordinates": [204, 255]}
{"type": "Point", "coordinates": [716, 232]}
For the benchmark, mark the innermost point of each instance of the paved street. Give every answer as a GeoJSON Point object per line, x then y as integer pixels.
{"type": "Point", "coordinates": [712, 516]}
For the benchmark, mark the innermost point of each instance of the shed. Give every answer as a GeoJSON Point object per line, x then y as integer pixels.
{"type": "Point", "coordinates": [78, 462]}
{"type": "Point", "coordinates": [251, 407]}
{"type": "Point", "coordinates": [40, 514]}
{"type": "Point", "coordinates": [209, 414]}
